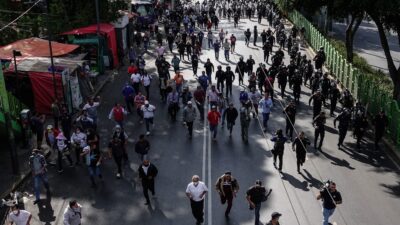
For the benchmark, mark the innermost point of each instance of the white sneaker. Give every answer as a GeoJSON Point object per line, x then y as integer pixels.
{"type": "Point", "coordinates": [118, 175]}
{"type": "Point", "coordinates": [148, 133]}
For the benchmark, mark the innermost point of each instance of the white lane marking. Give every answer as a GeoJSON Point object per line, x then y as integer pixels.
{"type": "Point", "coordinates": [209, 181]}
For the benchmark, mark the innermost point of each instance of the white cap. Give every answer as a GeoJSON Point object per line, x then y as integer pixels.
{"type": "Point", "coordinates": [189, 102]}
{"type": "Point", "coordinates": [146, 102]}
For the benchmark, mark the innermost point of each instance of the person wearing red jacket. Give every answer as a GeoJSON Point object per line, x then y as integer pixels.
{"type": "Point", "coordinates": [213, 118]}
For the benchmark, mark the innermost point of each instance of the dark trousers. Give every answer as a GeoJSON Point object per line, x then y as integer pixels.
{"type": "Point", "coordinates": [257, 213]}
{"type": "Point", "coordinates": [200, 107]}
{"type": "Point", "coordinates": [300, 162]}
{"type": "Point", "coordinates": [228, 198]}
{"type": "Point", "coordinates": [228, 89]}
{"type": "Point", "coordinates": [280, 155]}
{"type": "Point", "coordinates": [333, 105]}
{"type": "Point", "coordinates": [190, 128]}
{"type": "Point", "coordinates": [198, 210]}
{"type": "Point", "coordinates": [316, 111]}
{"type": "Point", "coordinates": [129, 103]}
{"type": "Point", "coordinates": [378, 137]}
{"type": "Point", "coordinates": [289, 128]}
{"type": "Point", "coordinates": [118, 161]}
{"type": "Point", "coordinates": [319, 133]}
{"type": "Point", "coordinates": [148, 185]}
{"type": "Point", "coordinates": [78, 151]}
{"type": "Point", "coordinates": [60, 159]}
{"type": "Point", "coordinates": [342, 135]}
{"type": "Point", "coordinates": [220, 86]}
{"type": "Point", "coordinates": [283, 86]}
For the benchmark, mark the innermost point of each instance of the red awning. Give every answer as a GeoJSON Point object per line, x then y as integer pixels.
{"type": "Point", "coordinates": [35, 47]}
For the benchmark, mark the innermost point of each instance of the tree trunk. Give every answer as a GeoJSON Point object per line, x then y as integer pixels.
{"type": "Point", "coordinates": [350, 33]}
{"type": "Point", "coordinates": [393, 72]}
{"type": "Point", "coordinates": [349, 40]}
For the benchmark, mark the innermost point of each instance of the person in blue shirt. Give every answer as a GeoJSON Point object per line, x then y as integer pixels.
{"type": "Point", "coordinates": [129, 93]}
{"type": "Point", "coordinates": [265, 105]}
{"type": "Point", "coordinates": [203, 80]}
{"type": "Point", "coordinates": [279, 147]}
{"type": "Point", "coordinates": [244, 98]}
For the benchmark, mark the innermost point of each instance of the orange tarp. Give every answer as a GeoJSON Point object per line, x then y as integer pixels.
{"type": "Point", "coordinates": [35, 47]}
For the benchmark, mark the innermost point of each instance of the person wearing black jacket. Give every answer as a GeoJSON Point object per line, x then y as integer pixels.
{"type": "Point", "coordinates": [299, 145]}
{"type": "Point", "coordinates": [230, 114]}
{"type": "Point", "coordinates": [249, 65]}
{"type": "Point", "coordinates": [290, 112]}
{"type": "Point", "coordinates": [247, 35]}
{"type": "Point", "coordinates": [334, 95]}
{"type": "Point", "coordinates": [317, 105]}
{"type": "Point", "coordinates": [381, 122]}
{"type": "Point", "coordinates": [142, 147]}
{"type": "Point", "coordinates": [319, 125]}
{"type": "Point", "coordinates": [279, 147]}
{"type": "Point", "coordinates": [220, 77]}
{"type": "Point", "coordinates": [241, 67]}
{"type": "Point", "coordinates": [261, 76]}
{"type": "Point", "coordinates": [229, 78]}
{"type": "Point", "coordinates": [344, 119]}
{"type": "Point", "coordinates": [147, 173]}
{"type": "Point", "coordinates": [255, 195]}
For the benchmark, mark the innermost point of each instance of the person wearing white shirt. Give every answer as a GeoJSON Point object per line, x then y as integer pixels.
{"type": "Point", "coordinates": [19, 217]}
{"type": "Point", "coordinates": [135, 80]}
{"type": "Point", "coordinates": [148, 115]}
{"type": "Point", "coordinates": [146, 81]}
{"type": "Point", "coordinates": [196, 191]}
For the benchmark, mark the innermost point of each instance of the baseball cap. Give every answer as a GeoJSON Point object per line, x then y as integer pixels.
{"type": "Point", "coordinates": [146, 102]}
{"type": "Point", "coordinates": [189, 102]}
{"type": "Point", "coordinates": [275, 215]}
{"type": "Point", "coordinates": [214, 107]}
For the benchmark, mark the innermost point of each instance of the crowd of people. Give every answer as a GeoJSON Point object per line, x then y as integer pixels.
{"type": "Point", "coordinates": [185, 28]}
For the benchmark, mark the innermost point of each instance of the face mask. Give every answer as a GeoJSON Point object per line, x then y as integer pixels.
{"type": "Point", "coordinates": [78, 131]}
{"type": "Point", "coordinates": [15, 212]}
{"type": "Point", "coordinates": [195, 183]}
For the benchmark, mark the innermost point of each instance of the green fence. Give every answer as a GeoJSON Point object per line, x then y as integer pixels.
{"type": "Point", "coordinates": [369, 93]}
{"type": "Point", "coordinates": [15, 108]}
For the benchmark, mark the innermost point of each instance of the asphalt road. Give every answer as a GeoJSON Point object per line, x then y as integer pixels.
{"type": "Point", "coordinates": [369, 181]}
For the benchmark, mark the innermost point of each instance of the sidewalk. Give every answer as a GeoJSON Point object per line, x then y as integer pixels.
{"type": "Point", "coordinates": [10, 182]}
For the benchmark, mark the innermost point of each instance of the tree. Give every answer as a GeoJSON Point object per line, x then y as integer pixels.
{"type": "Point", "coordinates": [385, 14]}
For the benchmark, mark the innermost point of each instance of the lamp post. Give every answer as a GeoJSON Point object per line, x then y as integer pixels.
{"type": "Point", "coordinates": [53, 72]}
{"type": "Point", "coordinates": [15, 54]}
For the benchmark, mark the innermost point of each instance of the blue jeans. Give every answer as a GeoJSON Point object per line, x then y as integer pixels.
{"type": "Point", "coordinates": [214, 130]}
{"type": "Point", "coordinates": [94, 171]}
{"type": "Point", "coordinates": [265, 120]}
{"type": "Point", "coordinates": [148, 121]}
{"type": "Point", "coordinates": [257, 213]}
{"type": "Point", "coordinates": [36, 182]}
{"type": "Point", "coordinates": [227, 54]}
{"type": "Point", "coordinates": [326, 213]}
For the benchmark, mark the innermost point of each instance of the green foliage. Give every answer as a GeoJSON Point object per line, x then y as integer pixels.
{"type": "Point", "coordinates": [362, 65]}
{"type": "Point", "coordinates": [64, 15]}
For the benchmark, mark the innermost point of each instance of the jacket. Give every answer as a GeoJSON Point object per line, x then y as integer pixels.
{"type": "Point", "coordinates": [231, 114]}
{"type": "Point", "coordinates": [189, 114]}
{"type": "Point", "coordinates": [219, 185]}
{"type": "Point", "coordinates": [213, 117]}
{"type": "Point", "coordinates": [72, 217]}
{"type": "Point", "coordinates": [151, 173]}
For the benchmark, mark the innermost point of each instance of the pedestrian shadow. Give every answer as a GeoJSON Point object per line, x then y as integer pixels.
{"type": "Point", "coordinates": [311, 180]}
{"type": "Point", "coordinates": [337, 161]}
{"type": "Point", "coordinates": [46, 212]}
{"type": "Point", "coordinates": [295, 182]}
{"type": "Point", "coordinates": [157, 215]}
{"type": "Point", "coordinates": [331, 130]}
{"type": "Point", "coordinates": [392, 189]}
{"type": "Point", "coordinates": [254, 48]}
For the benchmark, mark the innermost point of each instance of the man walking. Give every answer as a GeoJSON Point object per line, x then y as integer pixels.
{"type": "Point", "coordinates": [319, 125]}
{"type": "Point", "coordinates": [148, 115]}
{"type": "Point", "coordinates": [266, 105]}
{"type": "Point", "coordinates": [213, 118]}
{"type": "Point", "coordinates": [196, 191]}
{"type": "Point", "coordinates": [227, 187]}
{"type": "Point", "coordinates": [330, 199]}
{"type": "Point", "coordinates": [142, 147]}
{"type": "Point", "coordinates": [37, 162]}
{"type": "Point", "coordinates": [189, 115]}
{"type": "Point", "coordinates": [231, 114]}
{"type": "Point", "coordinates": [244, 123]}
{"type": "Point", "coordinates": [274, 219]}
{"type": "Point", "coordinates": [18, 216]}
{"type": "Point", "coordinates": [73, 213]}
{"type": "Point", "coordinates": [255, 195]}
{"type": "Point", "coordinates": [199, 96]}
{"type": "Point", "coordinates": [147, 173]}
{"type": "Point", "coordinates": [344, 119]}
{"type": "Point", "coordinates": [299, 145]}
{"type": "Point", "coordinates": [279, 147]}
